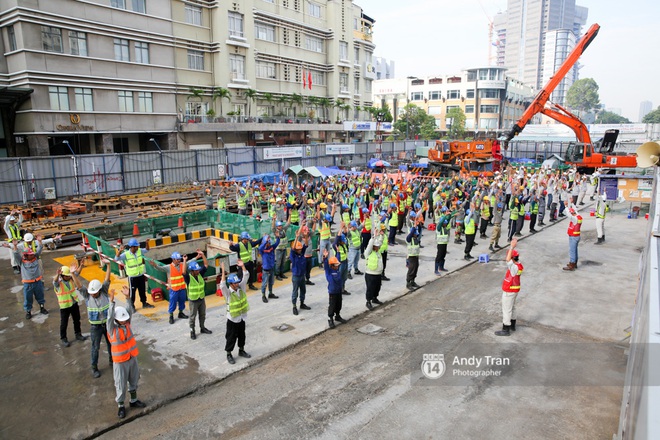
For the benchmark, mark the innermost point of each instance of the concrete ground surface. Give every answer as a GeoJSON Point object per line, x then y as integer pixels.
{"type": "Point", "coordinates": [563, 380]}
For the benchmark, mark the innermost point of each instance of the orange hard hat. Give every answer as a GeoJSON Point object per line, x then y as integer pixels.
{"type": "Point", "coordinates": [297, 245]}
{"type": "Point", "coordinates": [333, 260]}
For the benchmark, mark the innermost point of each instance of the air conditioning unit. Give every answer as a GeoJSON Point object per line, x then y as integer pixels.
{"type": "Point", "coordinates": [50, 194]}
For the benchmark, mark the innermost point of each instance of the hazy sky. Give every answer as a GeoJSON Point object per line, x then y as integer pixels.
{"type": "Point", "coordinates": [437, 37]}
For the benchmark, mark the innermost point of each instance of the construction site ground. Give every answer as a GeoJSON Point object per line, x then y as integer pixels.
{"type": "Point", "coordinates": [564, 379]}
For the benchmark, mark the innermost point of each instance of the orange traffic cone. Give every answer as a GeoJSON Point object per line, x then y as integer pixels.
{"type": "Point", "coordinates": [136, 230]}
{"type": "Point", "coordinates": [181, 221]}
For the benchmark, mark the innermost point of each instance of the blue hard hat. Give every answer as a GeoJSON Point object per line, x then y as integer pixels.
{"type": "Point", "coordinates": [467, 212]}
{"type": "Point", "coordinates": [233, 279]}
{"type": "Point", "coordinates": [176, 256]}
{"type": "Point", "coordinates": [396, 188]}
{"type": "Point", "coordinates": [499, 205]}
{"type": "Point", "coordinates": [365, 210]}
{"type": "Point", "coordinates": [245, 235]}
{"type": "Point", "coordinates": [392, 205]}
{"type": "Point", "coordinates": [383, 213]}
{"type": "Point", "coordinates": [353, 223]}
{"type": "Point", "coordinates": [242, 191]}
{"type": "Point", "coordinates": [401, 195]}
{"type": "Point", "coordinates": [342, 237]}
{"type": "Point", "coordinates": [344, 206]}
{"type": "Point", "coordinates": [194, 266]}
{"type": "Point", "coordinates": [328, 218]}
{"type": "Point", "coordinates": [412, 214]}
{"type": "Point", "coordinates": [418, 206]}
{"type": "Point", "coordinates": [279, 223]}
{"type": "Point", "coordinates": [443, 209]}
{"type": "Point", "coordinates": [133, 242]}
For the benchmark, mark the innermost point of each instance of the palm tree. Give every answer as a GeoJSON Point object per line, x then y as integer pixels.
{"type": "Point", "coordinates": [221, 93]}
{"type": "Point", "coordinates": [268, 97]}
{"type": "Point", "coordinates": [295, 99]}
{"type": "Point", "coordinates": [345, 108]}
{"type": "Point", "coordinates": [338, 105]}
{"type": "Point", "coordinates": [325, 103]}
{"type": "Point", "coordinates": [282, 100]}
{"type": "Point", "coordinates": [250, 95]}
{"type": "Point", "coordinates": [358, 109]}
{"type": "Point", "coordinates": [195, 93]}
{"type": "Point", "coordinates": [313, 104]}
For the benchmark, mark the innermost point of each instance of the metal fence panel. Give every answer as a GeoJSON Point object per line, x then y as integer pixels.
{"type": "Point", "coordinates": [11, 190]}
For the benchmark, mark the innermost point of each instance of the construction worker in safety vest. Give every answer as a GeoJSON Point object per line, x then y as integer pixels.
{"type": "Point", "coordinates": [514, 212]}
{"type": "Point", "coordinates": [593, 182]}
{"type": "Point", "coordinates": [294, 213]}
{"type": "Point", "coordinates": [124, 353]}
{"type": "Point", "coordinates": [32, 275]}
{"type": "Point", "coordinates": [233, 289]}
{"type": "Point", "coordinates": [98, 302]}
{"type": "Point", "coordinates": [442, 228]}
{"type": "Point", "coordinates": [222, 201]}
{"type": "Point", "coordinates": [242, 201]}
{"type": "Point", "coordinates": [133, 260]}
{"type": "Point", "coordinates": [510, 289]}
{"type": "Point", "coordinates": [367, 225]}
{"type": "Point", "coordinates": [470, 232]}
{"type": "Point", "coordinates": [345, 213]}
{"type": "Point", "coordinates": [176, 284]}
{"type": "Point", "coordinates": [244, 250]}
{"type": "Point", "coordinates": [533, 212]}
{"type": "Point", "coordinates": [412, 259]}
{"type": "Point", "coordinates": [65, 288]}
{"type": "Point", "coordinates": [333, 277]}
{"type": "Point", "coordinates": [601, 211]}
{"type": "Point", "coordinates": [196, 284]}
{"type": "Point", "coordinates": [374, 267]}
{"type": "Point", "coordinates": [310, 213]}
{"type": "Point", "coordinates": [325, 233]}
{"type": "Point", "coordinates": [12, 228]}
{"type": "Point", "coordinates": [279, 231]}
{"type": "Point", "coordinates": [574, 226]}
{"type": "Point", "coordinates": [354, 246]}
{"type": "Point", "coordinates": [340, 248]}
{"type": "Point", "coordinates": [255, 204]}
{"type": "Point", "coordinates": [208, 198]}
{"type": "Point", "coordinates": [393, 223]}
{"type": "Point", "coordinates": [401, 211]}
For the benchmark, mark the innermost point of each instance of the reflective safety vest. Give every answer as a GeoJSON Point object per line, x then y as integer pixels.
{"type": "Point", "coordinates": [242, 202]}
{"type": "Point", "coordinates": [66, 296]}
{"type": "Point", "coordinates": [372, 261]}
{"type": "Point", "coordinates": [356, 238]}
{"type": "Point", "coordinates": [409, 201]}
{"type": "Point", "coordinates": [402, 205]}
{"type": "Point", "coordinates": [413, 248]}
{"type": "Point", "coordinates": [601, 209]}
{"type": "Point", "coordinates": [367, 224]}
{"type": "Point", "coordinates": [15, 233]}
{"type": "Point", "coordinates": [245, 253]}
{"type": "Point", "coordinates": [345, 217]}
{"type": "Point", "coordinates": [97, 315]}
{"type": "Point", "coordinates": [512, 283]}
{"type": "Point", "coordinates": [514, 213]}
{"type": "Point", "coordinates": [521, 211]}
{"type": "Point", "coordinates": [295, 216]}
{"type": "Point", "coordinates": [134, 263]}
{"type": "Point", "coordinates": [237, 304]}
{"type": "Point", "coordinates": [176, 277]}
{"type": "Point", "coordinates": [324, 229]}
{"type": "Point", "coordinates": [441, 235]}
{"type": "Point", "coordinates": [384, 246]}
{"type": "Point", "coordinates": [386, 201]}
{"type": "Point", "coordinates": [470, 227]}
{"type": "Point", "coordinates": [222, 203]}
{"type": "Point", "coordinates": [394, 220]}
{"type": "Point", "coordinates": [196, 287]}
{"type": "Point", "coordinates": [535, 207]}
{"type": "Point", "coordinates": [574, 228]}
{"type": "Point", "coordinates": [122, 343]}
{"type": "Point", "coordinates": [342, 252]}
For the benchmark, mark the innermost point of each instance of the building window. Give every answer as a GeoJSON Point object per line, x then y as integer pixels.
{"type": "Point", "coordinates": [51, 38]}
{"type": "Point", "coordinates": [140, 6]}
{"type": "Point", "coordinates": [489, 108]}
{"type": "Point", "coordinates": [195, 60]}
{"type": "Point", "coordinates": [193, 14]}
{"type": "Point", "coordinates": [417, 96]}
{"type": "Point", "coordinates": [343, 50]}
{"type": "Point", "coordinates": [356, 86]}
{"type": "Point", "coordinates": [121, 49]}
{"type": "Point", "coordinates": [11, 35]}
{"type": "Point", "coordinates": [469, 108]}
{"type": "Point", "coordinates": [121, 4]}
{"type": "Point", "coordinates": [264, 32]}
{"type": "Point", "coordinates": [78, 43]}
{"type": "Point", "coordinates": [125, 101]}
{"type": "Point", "coordinates": [237, 66]}
{"type": "Point", "coordinates": [269, 1]}
{"type": "Point", "coordinates": [235, 25]}
{"type": "Point", "coordinates": [367, 85]}
{"type": "Point", "coordinates": [315, 44]}
{"type": "Point", "coordinates": [356, 55]}
{"type": "Point", "coordinates": [265, 70]}
{"type": "Point", "coordinates": [489, 93]}
{"type": "Point", "coordinates": [343, 83]}
{"type": "Point", "coordinates": [435, 95]}
{"type": "Point", "coordinates": [318, 78]}
{"type": "Point", "coordinates": [451, 107]}
{"type": "Point", "coordinates": [141, 52]}
{"type": "Point", "coordinates": [453, 94]}
{"type": "Point", "coordinates": [145, 102]}
{"type": "Point", "coordinates": [287, 72]}
{"type": "Point", "coordinates": [314, 9]}
{"type": "Point", "coordinates": [84, 101]}
{"type": "Point", "coordinates": [470, 94]}
{"type": "Point", "coordinates": [59, 98]}
{"type": "Point", "coordinates": [435, 110]}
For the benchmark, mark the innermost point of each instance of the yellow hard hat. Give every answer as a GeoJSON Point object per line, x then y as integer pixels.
{"type": "Point", "coordinates": [272, 200]}
{"type": "Point", "coordinates": [66, 271]}
{"type": "Point", "coordinates": [322, 205]}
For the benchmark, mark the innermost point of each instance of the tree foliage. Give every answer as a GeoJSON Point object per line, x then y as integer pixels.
{"type": "Point", "coordinates": [385, 110]}
{"type": "Point", "coordinates": [583, 95]}
{"type": "Point", "coordinates": [652, 117]}
{"type": "Point", "coordinates": [456, 128]}
{"type": "Point", "coordinates": [606, 117]}
{"type": "Point", "coordinates": [414, 121]}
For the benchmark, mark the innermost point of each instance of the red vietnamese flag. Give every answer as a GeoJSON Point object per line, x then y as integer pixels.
{"type": "Point", "coordinates": [304, 79]}
{"type": "Point", "coordinates": [309, 79]}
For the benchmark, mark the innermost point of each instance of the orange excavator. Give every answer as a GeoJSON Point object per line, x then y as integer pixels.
{"type": "Point", "coordinates": [582, 153]}
{"type": "Point", "coordinates": [476, 157]}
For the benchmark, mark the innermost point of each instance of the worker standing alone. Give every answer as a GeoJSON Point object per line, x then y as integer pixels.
{"type": "Point", "coordinates": [601, 210]}
{"type": "Point", "coordinates": [510, 289]}
{"type": "Point", "coordinates": [573, 237]}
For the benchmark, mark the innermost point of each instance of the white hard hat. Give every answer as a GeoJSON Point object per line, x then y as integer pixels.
{"type": "Point", "coordinates": [28, 237]}
{"type": "Point", "coordinates": [94, 286]}
{"type": "Point", "coordinates": [121, 314]}
{"type": "Point", "coordinates": [12, 218]}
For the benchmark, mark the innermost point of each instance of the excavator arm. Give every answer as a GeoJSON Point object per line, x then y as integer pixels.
{"type": "Point", "coordinates": [538, 105]}
{"type": "Point", "coordinates": [562, 115]}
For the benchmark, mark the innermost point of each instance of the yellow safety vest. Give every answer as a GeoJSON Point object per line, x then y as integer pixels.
{"type": "Point", "coordinates": [196, 287]}
{"type": "Point", "coordinates": [134, 263]}
{"type": "Point", "coordinates": [246, 252]}
{"type": "Point", "coordinates": [66, 296]}
{"type": "Point", "coordinates": [237, 304]}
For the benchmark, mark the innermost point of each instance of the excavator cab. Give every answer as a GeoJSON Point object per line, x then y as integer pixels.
{"type": "Point", "coordinates": [576, 152]}
{"type": "Point", "coordinates": [609, 141]}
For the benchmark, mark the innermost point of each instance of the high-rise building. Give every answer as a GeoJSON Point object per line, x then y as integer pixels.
{"type": "Point", "coordinates": [645, 107]}
{"type": "Point", "coordinates": [103, 76]}
{"type": "Point", "coordinates": [384, 68]}
{"type": "Point", "coordinates": [534, 37]}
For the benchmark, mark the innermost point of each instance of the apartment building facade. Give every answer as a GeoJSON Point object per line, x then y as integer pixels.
{"type": "Point", "coordinates": [103, 76]}
{"type": "Point", "coordinates": [491, 100]}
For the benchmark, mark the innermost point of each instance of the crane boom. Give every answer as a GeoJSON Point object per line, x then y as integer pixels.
{"type": "Point", "coordinates": [538, 104]}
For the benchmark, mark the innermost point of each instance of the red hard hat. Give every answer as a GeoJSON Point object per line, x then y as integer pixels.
{"type": "Point", "coordinates": [514, 253]}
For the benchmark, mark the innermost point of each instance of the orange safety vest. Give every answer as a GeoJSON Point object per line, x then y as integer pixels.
{"type": "Point", "coordinates": [574, 228]}
{"type": "Point", "coordinates": [122, 344]}
{"type": "Point", "coordinates": [512, 283]}
{"type": "Point", "coordinates": [176, 277]}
